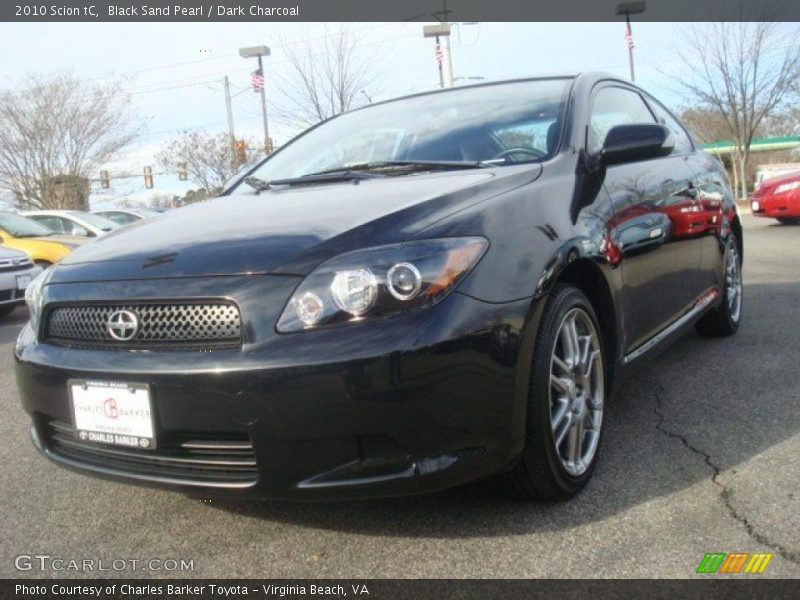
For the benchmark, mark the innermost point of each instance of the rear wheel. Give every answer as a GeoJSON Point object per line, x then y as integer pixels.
{"type": "Point", "coordinates": [789, 221]}
{"type": "Point", "coordinates": [724, 319]}
{"type": "Point", "coordinates": [565, 403]}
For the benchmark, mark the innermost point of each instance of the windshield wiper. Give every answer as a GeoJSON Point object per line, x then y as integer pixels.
{"type": "Point", "coordinates": [327, 176]}
{"type": "Point", "coordinates": [404, 165]}
{"type": "Point", "coordinates": [367, 170]}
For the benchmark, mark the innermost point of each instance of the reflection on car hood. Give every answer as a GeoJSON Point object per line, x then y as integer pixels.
{"type": "Point", "coordinates": [287, 230]}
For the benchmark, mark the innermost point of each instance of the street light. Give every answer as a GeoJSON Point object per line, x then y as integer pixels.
{"type": "Point", "coordinates": [259, 52]}
{"type": "Point", "coordinates": [628, 9]}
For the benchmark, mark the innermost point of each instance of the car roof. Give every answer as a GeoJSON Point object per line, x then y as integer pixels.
{"type": "Point", "coordinates": [590, 75]}
{"type": "Point", "coordinates": [54, 212]}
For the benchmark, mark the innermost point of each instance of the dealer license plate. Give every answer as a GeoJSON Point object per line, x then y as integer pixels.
{"type": "Point", "coordinates": [113, 413]}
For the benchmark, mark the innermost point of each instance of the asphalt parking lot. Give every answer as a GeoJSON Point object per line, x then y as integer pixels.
{"type": "Point", "coordinates": [701, 455]}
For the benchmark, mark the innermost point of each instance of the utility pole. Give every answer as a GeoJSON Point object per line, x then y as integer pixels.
{"type": "Point", "coordinates": [229, 110]}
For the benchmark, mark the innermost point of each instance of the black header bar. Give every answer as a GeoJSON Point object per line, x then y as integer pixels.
{"type": "Point", "coordinates": [390, 10]}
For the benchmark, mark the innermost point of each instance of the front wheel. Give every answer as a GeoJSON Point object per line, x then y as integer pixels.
{"type": "Point", "coordinates": [724, 320]}
{"type": "Point", "coordinates": [565, 403]}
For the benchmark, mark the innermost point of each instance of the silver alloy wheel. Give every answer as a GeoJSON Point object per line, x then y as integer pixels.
{"type": "Point", "coordinates": [733, 283]}
{"type": "Point", "coordinates": [577, 390]}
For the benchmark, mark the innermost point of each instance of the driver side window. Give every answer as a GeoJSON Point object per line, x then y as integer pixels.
{"type": "Point", "coordinates": [614, 106]}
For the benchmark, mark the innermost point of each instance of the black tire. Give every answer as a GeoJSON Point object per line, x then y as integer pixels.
{"type": "Point", "coordinates": [44, 264]}
{"type": "Point", "coordinates": [6, 310]}
{"type": "Point", "coordinates": [724, 320]}
{"type": "Point", "coordinates": [789, 221]}
{"type": "Point", "coordinates": [540, 474]}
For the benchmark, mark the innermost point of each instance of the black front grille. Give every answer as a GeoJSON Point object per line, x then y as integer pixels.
{"type": "Point", "coordinates": [6, 295]}
{"type": "Point", "coordinates": [160, 325]}
{"type": "Point", "coordinates": [180, 458]}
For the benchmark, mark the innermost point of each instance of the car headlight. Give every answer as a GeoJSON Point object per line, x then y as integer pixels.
{"type": "Point", "coordinates": [376, 282]}
{"type": "Point", "coordinates": [787, 187]}
{"type": "Point", "coordinates": [34, 297]}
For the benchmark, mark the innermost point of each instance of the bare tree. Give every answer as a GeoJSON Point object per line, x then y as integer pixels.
{"type": "Point", "coordinates": [54, 133]}
{"type": "Point", "coordinates": [209, 158]}
{"type": "Point", "coordinates": [323, 79]}
{"type": "Point", "coordinates": [743, 72]}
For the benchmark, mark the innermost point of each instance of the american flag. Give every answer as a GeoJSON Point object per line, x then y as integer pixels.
{"type": "Point", "coordinates": [439, 54]}
{"type": "Point", "coordinates": [257, 79]}
{"type": "Point", "coordinates": [629, 36]}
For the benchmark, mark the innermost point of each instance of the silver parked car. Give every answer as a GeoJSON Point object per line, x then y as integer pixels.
{"type": "Point", "coordinates": [17, 271]}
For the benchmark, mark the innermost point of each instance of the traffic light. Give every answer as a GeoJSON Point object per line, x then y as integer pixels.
{"type": "Point", "coordinates": [148, 178]}
{"type": "Point", "coordinates": [182, 174]}
{"type": "Point", "coordinates": [241, 152]}
{"type": "Point", "coordinates": [104, 181]}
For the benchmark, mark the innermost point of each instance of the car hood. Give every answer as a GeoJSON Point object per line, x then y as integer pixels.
{"type": "Point", "coordinates": [768, 185]}
{"type": "Point", "coordinates": [287, 230]}
{"type": "Point", "coordinates": [8, 253]}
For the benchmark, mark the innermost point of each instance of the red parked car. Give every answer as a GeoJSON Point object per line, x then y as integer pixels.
{"type": "Point", "coordinates": [778, 198]}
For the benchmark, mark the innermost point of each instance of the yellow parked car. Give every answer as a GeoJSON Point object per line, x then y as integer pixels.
{"type": "Point", "coordinates": [43, 245]}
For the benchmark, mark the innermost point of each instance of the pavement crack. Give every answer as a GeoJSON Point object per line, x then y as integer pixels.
{"type": "Point", "coordinates": [726, 492]}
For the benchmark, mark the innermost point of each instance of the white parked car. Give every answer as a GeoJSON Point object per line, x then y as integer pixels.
{"type": "Point", "coordinates": [17, 271]}
{"type": "Point", "coordinates": [72, 222]}
{"type": "Point", "coordinates": [126, 216]}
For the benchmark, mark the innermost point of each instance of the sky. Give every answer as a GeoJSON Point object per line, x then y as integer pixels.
{"type": "Point", "coordinates": [174, 71]}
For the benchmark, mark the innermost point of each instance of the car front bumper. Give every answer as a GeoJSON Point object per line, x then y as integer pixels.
{"type": "Point", "coordinates": [10, 292]}
{"type": "Point", "coordinates": [407, 404]}
{"type": "Point", "coordinates": [776, 207]}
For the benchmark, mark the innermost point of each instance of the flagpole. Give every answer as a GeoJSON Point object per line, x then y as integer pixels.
{"type": "Point", "coordinates": [630, 45]}
{"type": "Point", "coordinates": [258, 52]}
{"type": "Point", "coordinates": [438, 60]}
{"type": "Point", "coordinates": [628, 9]}
{"type": "Point", "coordinates": [267, 144]}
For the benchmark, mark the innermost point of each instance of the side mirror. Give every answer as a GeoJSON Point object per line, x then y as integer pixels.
{"type": "Point", "coordinates": [637, 141]}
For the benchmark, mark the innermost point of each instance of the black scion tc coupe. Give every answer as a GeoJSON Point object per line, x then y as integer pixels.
{"type": "Point", "coordinates": [406, 297]}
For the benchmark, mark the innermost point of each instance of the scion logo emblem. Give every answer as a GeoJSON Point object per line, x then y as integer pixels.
{"type": "Point", "coordinates": [110, 408]}
{"type": "Point", "coordinates": [122, 325]}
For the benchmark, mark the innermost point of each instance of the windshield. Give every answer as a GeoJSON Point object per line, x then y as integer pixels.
{"type": "Point", "coordinates": [19, 226]}
{"type": "Point", "coordinates": [98, 221]}
{"type": "Point", "coordinates": [505, 123]}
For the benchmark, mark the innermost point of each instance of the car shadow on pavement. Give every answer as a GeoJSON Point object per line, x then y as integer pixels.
{"type": "Point", "coordinates": [700, 406]}
{"type": "Point", "coordinates": [12, 324]}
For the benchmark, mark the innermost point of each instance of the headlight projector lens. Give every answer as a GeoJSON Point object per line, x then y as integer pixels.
{"type": "Point", "coordinates": [354, 291]}
{"type": "Point", "coordinates": [403, 281]}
